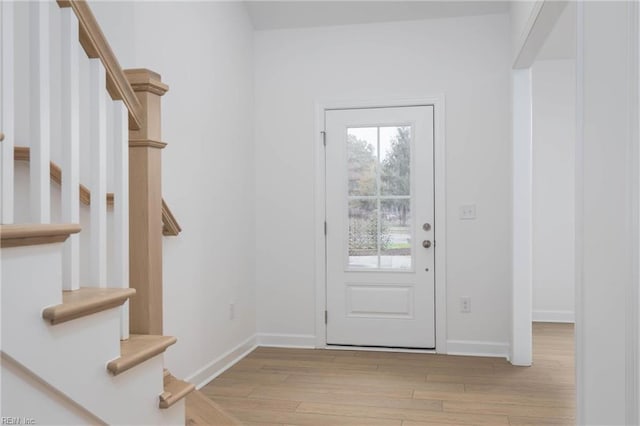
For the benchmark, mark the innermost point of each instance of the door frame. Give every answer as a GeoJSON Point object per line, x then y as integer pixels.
{"type": "Point", "coordinates": [440, 208]}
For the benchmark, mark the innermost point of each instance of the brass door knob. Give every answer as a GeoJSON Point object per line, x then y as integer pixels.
{"type": "Point", "coordinates": [426, 244]}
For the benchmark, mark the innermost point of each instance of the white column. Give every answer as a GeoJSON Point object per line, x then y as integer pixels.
{"type": "Point", "coordinates": [6, 111]}
{"type": "Point", "coordinates": [70, 135]}
{"type": "Point", "coordinates": [521, 338]}
{"type": "Point", "coordinates": [607, 213]}
{"type": "Point", "coordinates": [98, 180]}
{"type": "Point", "coordinates": [121, 206]}
{"type": "Point", "coordinates": [39, 110]}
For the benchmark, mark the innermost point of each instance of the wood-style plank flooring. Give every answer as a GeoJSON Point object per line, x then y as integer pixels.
{"type": "Point", "coordinates": [274, 386]}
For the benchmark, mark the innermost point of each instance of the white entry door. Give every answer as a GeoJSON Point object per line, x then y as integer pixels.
{"type": "Point", "coordinates": [380, 227]}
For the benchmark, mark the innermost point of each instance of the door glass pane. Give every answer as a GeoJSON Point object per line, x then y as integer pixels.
{"type": "Point", "coordinates": [395, 234]}
{"type": "Point", "coordinates": [363, 234]}
{"type": "Point", "coordinates": [362, 160]}
{"type": "Point", "coordinates": [379, 197]}
{"type": "Point", "coordinates": [395, 160]}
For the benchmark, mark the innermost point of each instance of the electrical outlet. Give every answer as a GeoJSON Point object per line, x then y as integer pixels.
{"type": "Point", "coordinates": [465, 305]}
{"type": "Point", "coordinates": [468, 212]}
{"type": "Point", "coordinates": [232, 311]}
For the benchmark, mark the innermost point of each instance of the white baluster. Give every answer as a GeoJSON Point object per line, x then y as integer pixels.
{"type": "Point", "coordinates": [6, 111]}
{"type": "Point", "coordinates": [98, 184]}
{"type": "Point", "coordinates": [39, 110]}
{"type": "Point", "coordinates": [121, 206]}
{"type": "Point", "coordinates": [70, 138]}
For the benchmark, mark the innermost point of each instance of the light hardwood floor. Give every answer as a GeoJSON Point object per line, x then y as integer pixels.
{"type": "Point", "coordinates": [335, 387]}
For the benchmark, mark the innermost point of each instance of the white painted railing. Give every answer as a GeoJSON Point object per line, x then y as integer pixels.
{"type": "Point", "coordinates": [120, 250]}
{"type": "Point", "coordinates": [70, 141]}
{"type": "Point", "coordinates": [39, 111]}
{"type": "Point", "coordinates": [98, 164]}
{"type": "Point", "coordinates": [107, 249]}
{"type": "Point", "coordinates": [6, 112]}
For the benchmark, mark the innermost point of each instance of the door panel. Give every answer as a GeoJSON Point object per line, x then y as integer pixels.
{"type": "Point", "coordinates": [379, 301]}
{"type": "Point", "coordinates": [380, 278]}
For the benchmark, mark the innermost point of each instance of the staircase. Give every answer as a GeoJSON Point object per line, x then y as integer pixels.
{"type": "Point", "coordinates": [81, 265]}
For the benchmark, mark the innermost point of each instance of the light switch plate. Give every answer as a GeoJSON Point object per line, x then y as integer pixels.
{"type": "Point", "coordinates": [468, 212]}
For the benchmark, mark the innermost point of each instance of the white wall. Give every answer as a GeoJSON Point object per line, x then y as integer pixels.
{"type": "Point", "coordinates": [204, 52]}
{"type": "Point", "coordinates": [553, 190]}
{"type": "Point", "coordinates": [466, 59]}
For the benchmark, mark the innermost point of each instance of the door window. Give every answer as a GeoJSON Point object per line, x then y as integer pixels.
{"type": "Point", "coordinates": [379, 197]}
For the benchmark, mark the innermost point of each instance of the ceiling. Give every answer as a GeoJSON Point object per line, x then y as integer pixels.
{"type": "Point", "coordinates": [561, 42]}
{"type": "Point", "coordinates": [269, 15]}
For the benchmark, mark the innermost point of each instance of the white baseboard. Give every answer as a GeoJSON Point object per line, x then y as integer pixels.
{"type": "Point", "coordinates": [554, 316]}
{"type": "Point", "coordinates": [222, 363]}
{"type": "Point", "coordinates": [477, 348]}
{"type": "Point", "coordinates": [286, 340]}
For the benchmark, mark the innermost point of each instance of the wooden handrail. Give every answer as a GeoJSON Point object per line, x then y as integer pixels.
{"type": "Point", "coordinates": [95, 45]}
{"type": "Point", "coordinates": [23, 153]}
{"type": "Point", "coordinates": [170, 226]}
{"type": "Point", "coordinates": [140, 90]}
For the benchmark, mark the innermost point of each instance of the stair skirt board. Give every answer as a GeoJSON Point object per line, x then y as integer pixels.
{"type": "Point", "coordinates": [44, 403]}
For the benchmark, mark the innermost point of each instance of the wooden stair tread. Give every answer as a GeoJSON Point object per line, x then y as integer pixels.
{"type": "Point", "coordinates": [174, 390]}
{"type": "Point", "coordinates": [27, 234]}
{"type": "Point", "coordinates": [203, 411]}
{"type": "Point", "coordinates": [137, 349]}
{"type": "Point", "coordinates": [86, 301]}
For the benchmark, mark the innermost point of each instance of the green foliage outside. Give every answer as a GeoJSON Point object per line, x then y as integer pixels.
{"type": "Point", "coordinates": [394, 180]}
{"type": "Point", "coordinates": [396, 171]}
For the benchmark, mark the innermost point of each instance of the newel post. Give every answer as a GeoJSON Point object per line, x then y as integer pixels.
{"type": "Point", "coordinates": [145, 205]}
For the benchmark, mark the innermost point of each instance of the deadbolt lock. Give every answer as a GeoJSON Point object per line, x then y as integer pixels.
{"type": "Point", "coordinates": [426, 227]}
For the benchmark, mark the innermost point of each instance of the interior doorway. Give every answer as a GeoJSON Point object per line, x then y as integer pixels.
{"type": "Point", "coordinates": [553, 76]}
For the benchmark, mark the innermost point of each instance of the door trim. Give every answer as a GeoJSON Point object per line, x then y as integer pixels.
{"type": "Point", "coordinates": [439, 164]}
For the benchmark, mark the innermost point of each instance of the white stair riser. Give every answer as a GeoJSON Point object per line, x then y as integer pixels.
{"type": "Point", "coordinates": [72, 356]}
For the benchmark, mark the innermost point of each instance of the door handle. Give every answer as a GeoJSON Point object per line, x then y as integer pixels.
{"type": "Point", "coordinates": [426, 244]}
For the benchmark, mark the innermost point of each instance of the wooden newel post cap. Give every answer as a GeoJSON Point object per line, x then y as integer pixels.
{"type": "Point", "coordinates": [149, 88]}
{"type": "Point", "coordinates": [144, 80]}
